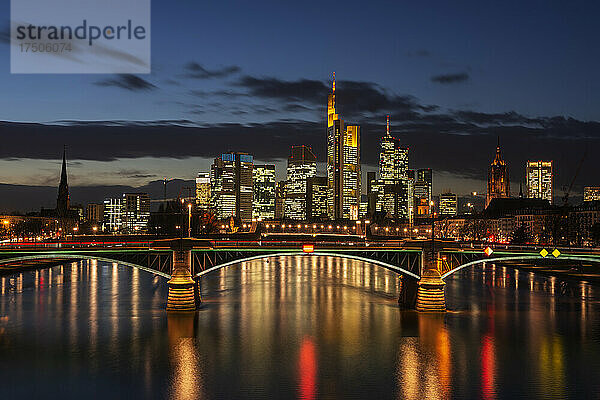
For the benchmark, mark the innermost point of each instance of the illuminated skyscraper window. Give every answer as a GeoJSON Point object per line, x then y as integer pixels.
{"type": "Point", "coordinates": [263, 205]}
{"type": "Point", "coordinates": [539, 180]}
{"type": "Point", "coordinates": [448, 204]}
{"type": "Point", "coordinates": [394, 179]}
{"type": "Point", "coordinates": [203, 190]}
{"type": "Point", "coordinates": [343, 164]}
{"type": "Point", "coordinates": [135, 212]}
{"type": "Point", "coordinates": [231, 185]}
{"type": "Point", "coordinates": [302, 164]}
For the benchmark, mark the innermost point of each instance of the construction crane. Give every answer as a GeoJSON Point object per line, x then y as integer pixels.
{"type": "Point", "coordinates": [568, 191]}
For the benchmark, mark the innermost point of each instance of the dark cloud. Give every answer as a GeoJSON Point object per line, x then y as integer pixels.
{"type": "Point", "coordinates": [132, 173]}
{"type": "Point", "coordinates": [293, 107]}
{"type": "Point", "coordinates": [450, 78]}
{"type": "Point", "coordinates": [507, 118]}
{"type": "Point", "coordinates": [354, 99]}
{"type": "Point", "coordinates": [303, 90]}
{"type": "Point", "coordinates": [197, 71]}
{"type": "Point", "coordinates": [5, 34]}
{"type": "Point", "coordinates": [172, 82]}
{"type": "Point", "coordinates": [128, 82]}
{"type": "Point", "coordinates": [217, 93]}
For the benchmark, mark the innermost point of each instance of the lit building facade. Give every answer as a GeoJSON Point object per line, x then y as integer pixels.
{"type": "Point", "coordinates": [498, 185]}
{"type": "Point", "coordinates": [343, 164]}
{"type": "Point", "coordinates": [540, 177]}
{"type": "Point", "coordinates": [423, 190]}
{"type": "Point", "coordinates": [231, 185]}
{"type": "Point", "coordinates": [112, 215]}
{"type": "Point", "coordinates": [591, 193]}
{"type": "Point", "coordinates": [203, 190]}
{"type": "Point", "coordinates": [263, 203]}
{"type": "Point", "coordinates": [94, 213]}
{"type": "Point", "coordinates": [316, 198]}
{"type": "Point", "coordinates": [448, 204]}
{"type": "Point", "coordinates": [135, 212]}
{"type": "Point", "coordinates": [280, 190]}
{"type": "Point", "coordinates": [302, 165]}
{"type": "Point", "coordinates": [393, 185]}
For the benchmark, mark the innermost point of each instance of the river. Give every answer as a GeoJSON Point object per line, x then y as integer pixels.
{"type": "Point", "coordinates": [296, 327]}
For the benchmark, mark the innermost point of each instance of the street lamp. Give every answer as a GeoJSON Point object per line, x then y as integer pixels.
{"type": "Point", "coordinates": [431, 204]}
{"type": "Point", "coordinates": [189, 219]}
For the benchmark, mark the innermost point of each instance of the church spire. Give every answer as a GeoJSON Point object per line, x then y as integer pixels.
{"type": "Point", "coordinates": [62, 201]}
{"type": "Point", "coordinates": [63, 174]}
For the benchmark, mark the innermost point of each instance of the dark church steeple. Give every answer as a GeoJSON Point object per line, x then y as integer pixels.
{"type": "Point", "coordinates": [62, 202]}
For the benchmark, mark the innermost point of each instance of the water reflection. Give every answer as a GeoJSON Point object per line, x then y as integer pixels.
{"type": "Point", "coordinates": [301, 327]}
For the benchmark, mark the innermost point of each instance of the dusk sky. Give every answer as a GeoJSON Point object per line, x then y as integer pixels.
{"type": "Point", "coordinates": [254, 77]}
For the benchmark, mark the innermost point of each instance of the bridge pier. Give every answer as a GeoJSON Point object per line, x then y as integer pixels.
{"type": "Point", "coordinates": [184, 295]}
{"type": "Point", "coordinates": [430, 294]}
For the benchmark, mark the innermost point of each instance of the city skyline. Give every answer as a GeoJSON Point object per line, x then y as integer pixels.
{"type": "Point", "coordinates": [450, 91]}
{"type": "Point", "coordinates": [322, 199]}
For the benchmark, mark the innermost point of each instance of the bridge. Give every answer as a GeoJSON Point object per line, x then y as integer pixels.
{"type": "Point", "coordinates": [185, 261]}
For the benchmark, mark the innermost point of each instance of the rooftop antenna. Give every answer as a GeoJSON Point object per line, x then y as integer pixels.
{"type": "Point", "coordinates": [388, 125]}
{"type": "Point", "coordinates": [333, 88]}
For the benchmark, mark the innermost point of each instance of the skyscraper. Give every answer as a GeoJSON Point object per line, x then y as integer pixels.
{"type": "Point", "coordinates": [112, 215]}
{"type": "Point", "coordinates": [302, 164]}
{"type": "Point", "coordinates": [448, 204]}
{"type": "Point", "coordinates": [498, 182]}
{"type": "Point", "coordinates": [393, 158]}
{"type": "Point", "coordinates": [231, 185]}
{"type": "Point", "coordinates": [280, 190]}
{"type": "Point", "coordinates": [371, 194]}
{"type": "Point", "coordinates": [316, 198]}
{"type": "Point", "coordinates": [203, 190]}
{"type": "Point", "coordinates": [393, 184]}
{"type": "Point", "coordinates": [343, 164]}
{"type": "Point", "coordinates": [263, 204]}
{"type": "Point", "coordinates": [540, 178]}
{"type": "Point", "coordinates": [62, 201]}
{"type": "Point", "coordinates": [423, 190]}
{"type": "Point", "coordinates": [135, 212]}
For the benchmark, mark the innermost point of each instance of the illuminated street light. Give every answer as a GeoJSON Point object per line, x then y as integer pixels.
{"type": "Point", "coordinates": [189, 219]}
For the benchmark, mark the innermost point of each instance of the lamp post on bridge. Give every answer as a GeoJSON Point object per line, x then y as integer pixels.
{"type": "Point", "coordinates": [189, 220]}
